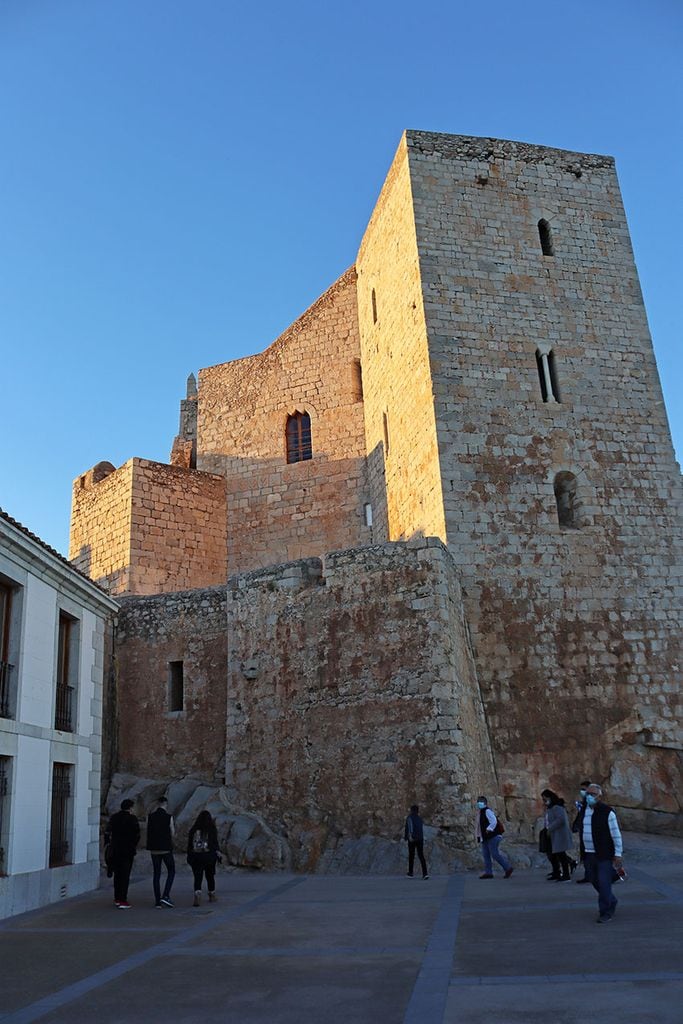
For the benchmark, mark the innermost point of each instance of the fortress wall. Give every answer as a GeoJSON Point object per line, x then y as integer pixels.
{"type": "Point", "coordinates": [178, 537]}
{"type": "Point", "coordinates": [278, 511]}
{"type": "Point", "coordinates": [576, 631]}
{"type": "Point", "coordinates": [99, 542]}
{"type": "Point", "coordinates": [153, 741]}
{"type": "Point", "coordinates": [351, 694]}
{"type": "Point", "coordinates": [399, 405]}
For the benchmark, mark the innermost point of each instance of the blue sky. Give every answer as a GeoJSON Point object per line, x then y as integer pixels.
{"type": "Point", "coordinates": [179, 181]}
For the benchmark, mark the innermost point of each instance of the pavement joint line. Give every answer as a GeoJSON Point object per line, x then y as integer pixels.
{"type": "Point", "coordinates": [569, 979]}
{"type": "Point", "coordinates": [671, 892]}
{"type": "Point", "coordinates": [49, 1003]}
{"type": "Point", "coordinates": [529, 908]}
{"type": "Point", "coordinates": [298, 952]}
{"type": "Point", "coordinates": [430, 993]}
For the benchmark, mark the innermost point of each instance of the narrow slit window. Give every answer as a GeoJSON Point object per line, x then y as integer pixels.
{"type": "Point", "coordinates": [385, 423]}
{"type": "Point", "coordinates": [176, 686]}
{"type": "Point", "coordinates": [541, 375]}
{"type": "Point", "coordinates": [374, 306]}
{"type": "Point", "coordinates": [299, 443]}
{"type": "Point", "coordinates": [553, 376]}
{"type": "Point", "coordinates": [564, 486]}
{"type": "Point", "coordinates": [547, 375]}
{"type": "Point", "coordinates": [546, 237]}
{"type": "Point", "coordinates": [357, 381]}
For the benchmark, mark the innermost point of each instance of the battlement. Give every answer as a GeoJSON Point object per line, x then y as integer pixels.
{"type": "Point", "coordinates": [472, 147]}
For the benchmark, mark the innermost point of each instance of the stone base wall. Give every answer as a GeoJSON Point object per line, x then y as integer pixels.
{"type": "Point", "coordinates": [33, 889]}
{"type": "Point", "coordinates": [153, 632]}
{"type": "Point", "coordinates": [352, 694]}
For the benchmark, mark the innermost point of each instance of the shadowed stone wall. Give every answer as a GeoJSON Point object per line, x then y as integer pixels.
{"type": "Point", "coordinates": [352, 694]}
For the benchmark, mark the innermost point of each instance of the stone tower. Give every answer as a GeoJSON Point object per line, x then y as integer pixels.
{"type": "Point", "coordinates": [513, 409]}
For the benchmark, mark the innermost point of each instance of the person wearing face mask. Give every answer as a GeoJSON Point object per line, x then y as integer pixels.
{"type": "Point", "coordinates": [603, 849]}
{"type": "Point", "coordinates": [489, 832]}
{"type": "Point", "coordinates": [577, 823]}
{"type": "Point", "coordinates": [557, 824]}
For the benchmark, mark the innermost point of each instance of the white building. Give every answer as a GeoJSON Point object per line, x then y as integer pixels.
{"type": "Point", "coordinates": [53, 626]}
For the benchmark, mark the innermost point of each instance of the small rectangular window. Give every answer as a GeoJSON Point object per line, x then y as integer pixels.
{"type": "Point", "coordinates": [60, 816]}
{"type": "Point", "coordinates": [176, 686]}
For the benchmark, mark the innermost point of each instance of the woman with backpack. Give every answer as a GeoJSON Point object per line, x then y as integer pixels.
{"type": "Point", "coordinates": [202, 854]}
{"type": "Point", "coordinates": [560, 834]}
{"type": "Point", "coordinates": [489, 830]}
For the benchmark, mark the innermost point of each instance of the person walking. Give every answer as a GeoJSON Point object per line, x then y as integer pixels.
{"type": "Point", "coordinates": [122, 836]}
{"type": "Point", "coordinates": [603, 847]}
{"type": "Point", "coordinates": [489, 831]}
{"type": "Point", "coordinates": [557, 824]}
{"type": "Point", "coordinates": [414, 835]}
{"type": "Point", "coordinates": [202, 854]}
{"type": "Point", "coordinates": [577, 825]}
{"type": "Point", "coordinates": [160, 831]}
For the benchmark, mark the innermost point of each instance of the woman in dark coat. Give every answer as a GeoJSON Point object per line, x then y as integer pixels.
{"type": "Point", "coordinates": [202, 854]}
{"type": "Point", "coordinates": [557, 824]}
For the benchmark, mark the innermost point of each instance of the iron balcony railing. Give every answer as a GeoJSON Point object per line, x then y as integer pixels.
{"type": "Point", "coordinates": [63, 708]}
{"type": "Point", "coordinates": [6, 694]}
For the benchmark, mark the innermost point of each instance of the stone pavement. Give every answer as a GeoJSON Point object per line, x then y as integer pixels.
{"type": "Point", "coordinates": [383, 950]}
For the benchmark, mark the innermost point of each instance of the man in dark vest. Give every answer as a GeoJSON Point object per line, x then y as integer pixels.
{"type": "Point", "coordinates": [603, 849]}
{"type": "Point", "coordinates": [122, 837]}
{"type": "Point", "coordinates": [160, 831]}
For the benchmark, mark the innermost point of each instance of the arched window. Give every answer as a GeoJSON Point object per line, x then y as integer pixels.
{"type": "Point", "coordinates": [547, 375]}
{"type": "Point", "coordinates": [564, 486]}
{"type": "Point", "coordinates": [546, 238]}
{"type": "Point", "coordinates": [374, 306]}
{"type": "Point", "coordinates": [298, 433]}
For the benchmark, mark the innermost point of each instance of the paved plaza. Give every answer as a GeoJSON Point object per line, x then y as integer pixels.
{"type": "Point", "coordinates": [289, 949]}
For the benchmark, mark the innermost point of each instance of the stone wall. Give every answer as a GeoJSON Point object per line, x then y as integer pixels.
{"type": "Point", "coordinates": [576, 630]}
{"type": "Point", "coordinates": [278, 511]}
{"type": "Point", "coordinates": [400, 429]}
{"type": "Point", "coordinates": [101, 513]}
{"type": "Point", "coordinates": [149, 528]}
{"type": "Point", "coordinates": [352, 694]}
{"type": "Point", "coordinates": [152, 632]}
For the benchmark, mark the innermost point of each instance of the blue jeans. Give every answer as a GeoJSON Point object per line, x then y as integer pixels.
{"type": "Point", "coordinates": [600, 874]}
{"type": "Point", "coordinates": [168, 860]}
{"type": "Point", "coordinates": [489, 849]}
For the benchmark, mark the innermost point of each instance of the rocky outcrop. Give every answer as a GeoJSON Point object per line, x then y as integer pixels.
{"type": "Point", "coordinates": [245, 839]}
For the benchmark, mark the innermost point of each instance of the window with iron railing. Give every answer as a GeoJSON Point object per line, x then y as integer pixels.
{"type": "Point", "coordinates": [60, 816]}
{"type": "Point", "coordinates": [4, 811]}
{"type": "Point", "coordinates": [67, 673]}
{"type": "Point", "coordinates": [6, 669]}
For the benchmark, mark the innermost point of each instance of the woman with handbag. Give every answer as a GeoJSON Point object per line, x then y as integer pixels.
{"type": "Point", "coordinates": [202, 854]}
{"type": "Point", "coordinates": [560, 836]}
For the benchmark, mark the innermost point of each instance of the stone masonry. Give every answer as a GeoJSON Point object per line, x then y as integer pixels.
{"type": "Point", "coordinates": [479, 568]}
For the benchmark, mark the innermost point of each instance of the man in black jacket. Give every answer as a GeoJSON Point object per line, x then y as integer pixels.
{"type": "Point", "coordinates": [160, 831]}
{"type": "Point", "coordinates": [122, 835]}
{"type": "Point", "coordinates": [415, 836]}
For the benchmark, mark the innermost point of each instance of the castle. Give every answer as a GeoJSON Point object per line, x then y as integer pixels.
{"type": "Point", "coordinates": [428, 543]}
